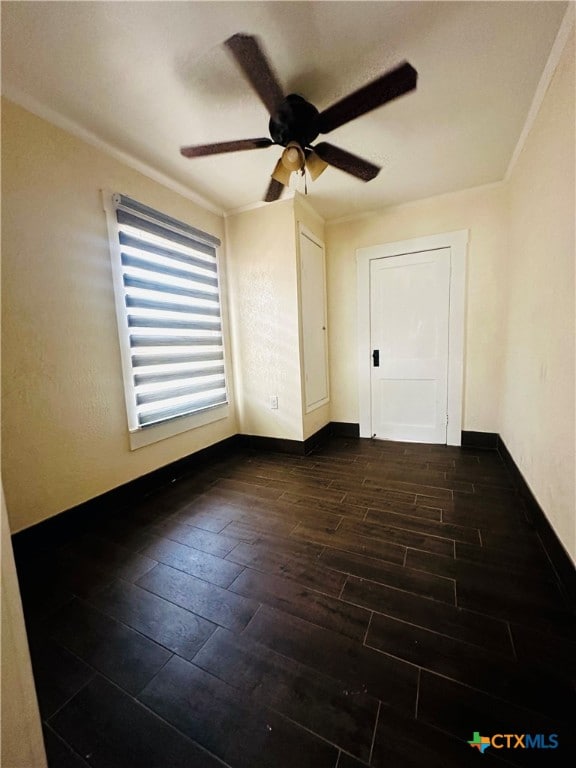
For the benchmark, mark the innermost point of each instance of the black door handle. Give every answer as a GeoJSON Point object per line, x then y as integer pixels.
{"type": "Point", "coordinates": [376, 358]}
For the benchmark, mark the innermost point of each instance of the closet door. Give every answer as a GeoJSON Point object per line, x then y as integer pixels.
{"type": "Point", "coordinates": [313, 318]}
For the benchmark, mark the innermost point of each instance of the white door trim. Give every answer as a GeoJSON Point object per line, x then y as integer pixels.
{"type": "Point", "coordinates": [458, 243]}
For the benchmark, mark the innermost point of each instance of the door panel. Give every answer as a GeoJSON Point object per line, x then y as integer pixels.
{"type": "Point", "coordinates": [409, 312]}
{"type": "Point", "coordinates": [313, 303]}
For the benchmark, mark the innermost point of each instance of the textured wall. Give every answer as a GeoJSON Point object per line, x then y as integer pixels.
{"type": "Point", "coordinates": [264, 317]}
{"type": "Point", "coordinates": [483, 212]}
{"type": "Point", "coordinates": [263, 258]}
{"type": "Point", "coordinates": [64, 423]}
{"type": "Point", "coordinates": [537, 416]}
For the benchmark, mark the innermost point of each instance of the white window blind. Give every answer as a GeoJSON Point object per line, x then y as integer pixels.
{"type": "Point", "coordinates": [167, 275]}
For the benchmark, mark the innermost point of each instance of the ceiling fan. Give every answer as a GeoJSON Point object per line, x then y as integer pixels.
{"type": "Point", "coordinates": [295, 123]}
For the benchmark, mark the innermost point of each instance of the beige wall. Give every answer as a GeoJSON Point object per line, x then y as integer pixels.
{"type": "Point", "coordinates": [263, 258]}
{"type": "Point", "coordinates": [538, 390]}
{"type": "Point", "coordinates": [64, 421]}
{"type": "Point", "coordinates": [264, 316]}
{"type": "Point", "coordinates": [483, 211]}
{"type": "Point", "coordinates": [21, 743]}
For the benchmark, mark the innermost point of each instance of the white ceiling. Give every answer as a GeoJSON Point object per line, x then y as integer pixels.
{"type": "Point", "coordinates": [149, 77]}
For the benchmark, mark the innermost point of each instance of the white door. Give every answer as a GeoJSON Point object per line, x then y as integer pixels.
{"type": "Point", "coordinates": [409, 315]}
{"type": "Point", "coordinates": [313, 309]}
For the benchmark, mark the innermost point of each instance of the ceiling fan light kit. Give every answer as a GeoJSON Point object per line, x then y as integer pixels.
{"type": "Point", "coordinates": [293, 157]}
{"type": "Point", "coordinates": [292, 160]}
{"type": "Point", "coordinates": [315, 165]}
{"type": "Point", "coordinates": [295, 123]}
{"type": "Point", "coordinates": [281, 174]}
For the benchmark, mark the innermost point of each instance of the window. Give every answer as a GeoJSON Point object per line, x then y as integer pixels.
{"type": "Point", "coordinates": [169, 317]}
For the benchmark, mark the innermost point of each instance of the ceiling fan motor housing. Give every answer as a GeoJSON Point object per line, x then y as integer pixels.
{"type": "Point", "coordinates": [295, 123]}
{"type": "Point", "coordinates": [295, 120]}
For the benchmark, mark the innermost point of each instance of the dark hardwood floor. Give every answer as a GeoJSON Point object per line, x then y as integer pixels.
{"type": "Point", "coordinates": [371, 604]}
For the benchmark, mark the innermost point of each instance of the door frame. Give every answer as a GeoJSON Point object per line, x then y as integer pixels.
{"type": "Point", "coordinates": [458, 243]}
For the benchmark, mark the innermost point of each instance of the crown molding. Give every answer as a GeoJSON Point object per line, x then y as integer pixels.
{"type": "Point", "coordinates": [39, 109]}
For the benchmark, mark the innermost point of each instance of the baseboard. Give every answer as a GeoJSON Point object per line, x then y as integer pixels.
{"type": "Point", "coordinates": [274, 444]}
{"type": "Point", "coordinates": [344, 429]}
{"type": "Point", "coordinates": [59, 528]}
{"type": "Point", "coordinates": [555, 550]}
{"type": "Point", "coordinates": [283, 445]}
{"type": "Point", "coordinates": [317, 439]}
{"type": "Point", "coordinates": [485, 441]}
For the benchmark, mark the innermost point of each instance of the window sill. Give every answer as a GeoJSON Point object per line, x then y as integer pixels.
{"type": "Point", "coordinates": [153, 434]}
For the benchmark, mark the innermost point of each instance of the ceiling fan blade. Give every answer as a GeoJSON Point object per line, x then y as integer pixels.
{"type": "Point", "coordinates": [346, 161]}
{"type": "Point", "coordinates": [274, 191]}
{"type": "Point", "coordinates": [225, 146]}
{"type": "Point", "coordinates": [252, 61]}
{"type": "Point", "coordinates": [394, 83]}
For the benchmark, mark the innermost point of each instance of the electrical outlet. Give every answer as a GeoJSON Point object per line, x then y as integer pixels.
{"type": "Point", "coordinates": [274, 401]}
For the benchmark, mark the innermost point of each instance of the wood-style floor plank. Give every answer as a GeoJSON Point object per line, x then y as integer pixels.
{"type": "Point", "coordinates": [169, 625]}
{"type": "Point", "coordinates": [370, 605]}
{"type": "Point", "coordinates": [224, 721]}
{"type": "Point", "coordinates": [550, 653]}
{"type": "Point", "coordinates": [351, 542]}
{"type": "Point", "coordinates": [468, 664]}
{"type": "Point", "coordinates": [297, 600]}
{"type": "Point", "coordinates": [317, 702]}
{"type": "Point", "coordinates": [288, 565]}
{"type": "Point", "coordinates": [197, 538]}
{"type": "Point", "coordinates": [116, 559]}
{"type": "Point", "coordinates": [193, 561]}
{"type": "Point", "coordinates": [207, 513]}
{"type": "Point", "coordinates": [361, 669]}
{"type": "Point", "coordinates": [112, 730]}
{"type": "Point", "coordinates": [439, 617]}
{"type": "Point", "coordinates": [213, 603]}
{"type": "Point", "coordinates": [407, 579]}
{"type": "Point", "coordinates": [397, 535]}
{"type": "Point", "coordinates": [120, 653]}
{"type": "Point", "coordinates": [468, 535]}
{"type": "Point", "coordinates": [58, 674]}
{"type": "Point", "coordinates": [58, 753]}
